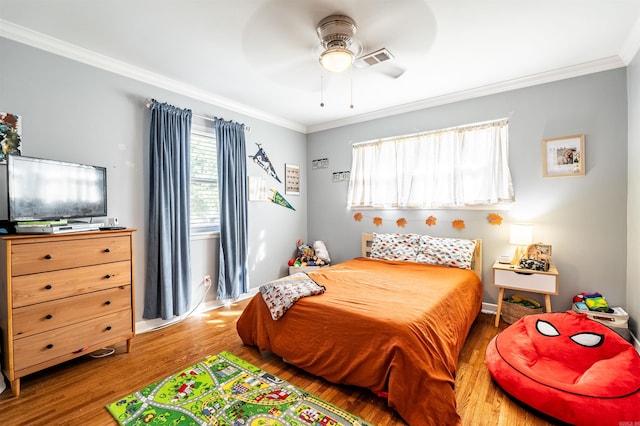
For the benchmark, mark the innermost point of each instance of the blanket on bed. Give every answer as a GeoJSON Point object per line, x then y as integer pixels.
{"type": "Point", "coordinates": [282, 294]}
{"type": "Point", "coordinates": [388, 326]}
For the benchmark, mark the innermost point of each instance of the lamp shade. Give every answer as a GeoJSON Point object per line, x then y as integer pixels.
{"type": "Point", "coordinates": [521, 234]}
{"type": "Point", "coordinates": [336, 59]}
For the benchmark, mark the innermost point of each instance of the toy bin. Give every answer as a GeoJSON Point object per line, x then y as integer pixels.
{"type": "Point", "coordinates": [618, 320]}
{"type": "Point", "coordinates": [512, 312]}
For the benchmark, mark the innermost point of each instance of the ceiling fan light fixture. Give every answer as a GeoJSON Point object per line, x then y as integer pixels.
{"type": "Point", "coordinates": [336, 37]}
{"type": "Point", "coordinates": [336, 59]}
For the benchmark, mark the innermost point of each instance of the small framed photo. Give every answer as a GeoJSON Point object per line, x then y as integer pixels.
{"type": "Point", "coordinates": [538, 251]}
{"type": "Point", "coordinates": [291, 179]}
{"type": "Point", "coordinates": [544, 249]}
{"type": "Point", "coordinates": [563, 156]}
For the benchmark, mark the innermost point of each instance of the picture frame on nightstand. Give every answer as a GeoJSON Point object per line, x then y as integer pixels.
{"type": "Point", "coordinates": [544, 249]}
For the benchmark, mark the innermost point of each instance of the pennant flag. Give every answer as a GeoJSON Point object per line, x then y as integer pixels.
{"type": "Point", "coordinates": [262, 160]}
{"type": "Point", "coordinates": [278, 199]}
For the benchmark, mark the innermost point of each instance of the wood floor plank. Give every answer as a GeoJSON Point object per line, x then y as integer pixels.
{"type": "Point", "coordinates": [77, 391]}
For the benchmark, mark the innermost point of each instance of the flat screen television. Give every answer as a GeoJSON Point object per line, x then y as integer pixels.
{"type": "Point", "coordinates": [41, 189]}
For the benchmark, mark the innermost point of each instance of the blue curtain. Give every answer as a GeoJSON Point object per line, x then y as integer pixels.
{"type": "Point", "coordinates": [232, 183]}
{"type": "Point", "coordinates": [168, 277]}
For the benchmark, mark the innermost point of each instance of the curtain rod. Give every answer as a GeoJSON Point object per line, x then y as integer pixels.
{"type": "Point", "coordinates": [148, 102]}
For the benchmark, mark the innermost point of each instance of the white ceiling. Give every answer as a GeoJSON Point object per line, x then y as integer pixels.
{"type": "Point", "coordinates": [260, 57]}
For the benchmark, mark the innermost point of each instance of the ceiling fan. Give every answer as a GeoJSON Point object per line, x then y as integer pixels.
{"type": "Point", "coordinates": [283, 40]}
{"type": "Point", "coordinates": [342, 49]}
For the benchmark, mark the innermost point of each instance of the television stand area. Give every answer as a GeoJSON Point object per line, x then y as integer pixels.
{"type": "Point", "coordinates": [56, 227]}
{"type": "Point", "coordinates": [62, 297]}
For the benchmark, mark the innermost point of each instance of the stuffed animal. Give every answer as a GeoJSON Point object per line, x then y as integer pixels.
{"type": "Point", "coordinates": [306, 256]}
{"type": "Point", "coordinates": [322, 252]}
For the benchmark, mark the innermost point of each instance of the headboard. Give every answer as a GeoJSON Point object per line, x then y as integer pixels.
{"type": "Point", "coordinates": [476, 260]}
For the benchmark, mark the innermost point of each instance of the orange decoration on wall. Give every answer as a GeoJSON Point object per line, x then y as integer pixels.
{"type": "Point", "coordinates": [458, 224]}
{"type": "Point", "coordinates": [494, 219]}
{"type": "Point", "coordinates": [431, 221]}
{"type": "Point", "coordinates": [358, 217]}
{"type": "Point", "coordinates": [401, 222]}
{"type": "Point", "coordinates": [377, 221]}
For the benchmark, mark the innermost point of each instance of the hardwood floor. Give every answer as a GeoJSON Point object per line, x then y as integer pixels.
{"type": "Point", "coordinates": [76, 392]}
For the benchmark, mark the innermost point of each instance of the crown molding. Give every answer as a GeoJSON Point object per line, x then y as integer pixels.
{"type": "Point", "coordinates": [41, 41]}
{"type": "Point", "coordinates": [605, 64]}
{"type": "Point", "coordinates": [631, 45]}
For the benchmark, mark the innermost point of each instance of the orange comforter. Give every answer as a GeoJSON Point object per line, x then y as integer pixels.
{"type": "Point", "coordinates": [388, 326]}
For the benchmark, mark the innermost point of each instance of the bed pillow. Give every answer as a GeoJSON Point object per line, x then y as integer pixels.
{"type": "Point", "coordinates": [395, 246]}
{"type": "Point", "coordinates": [446, 251]}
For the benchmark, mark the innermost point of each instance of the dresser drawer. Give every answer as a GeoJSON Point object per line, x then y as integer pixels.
{"type": "Point", "coordinates": [46, 286]}
{"type": "Point", "coordinates": [533, 281]}
{"type": "Point", "coordinates": [37, 257]}
{"type": "Point", "coordinates": [64, 341]}
{"type": "Point", "coordinates": [41, 317]}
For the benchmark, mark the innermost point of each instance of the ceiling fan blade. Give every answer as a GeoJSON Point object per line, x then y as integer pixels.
{"type": "Point", "coordinates": [408, 30]}
{"type": "Point", "coordinates": [391, 70]}
{"type": "Point", "coordinates": [280, 33]}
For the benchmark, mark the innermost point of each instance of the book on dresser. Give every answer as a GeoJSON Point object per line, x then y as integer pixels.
{"type": "Point", "coordinates": [63, 296]}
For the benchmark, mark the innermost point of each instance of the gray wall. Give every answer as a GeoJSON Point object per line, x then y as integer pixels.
{"type": "Point", "coordinates": [583, 218]}
{"type": "Point", "coordinates": [633, 209]}
{"type": "Point", "coordinates": [74, 112]}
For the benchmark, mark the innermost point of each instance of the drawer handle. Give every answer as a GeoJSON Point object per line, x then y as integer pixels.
{"type": "Point", "coordinates": [108, 302]}
{"type": "Point", "coordinates": [107, 250]}
{"type": "Point", "coordinates": [49, 316]}
{"type": "Point", "coordinates": [48, 256]}
{"type": "Point", "coordinates": [49, 346]}
{"type": "Point", "coordinates": [108, 327]}
{"type": "Point", "coordinates": [523, 273]}
{"type": "Point", "coordinates": [108, 276]}
{"type": "Point", "coordinates": [48, 287]}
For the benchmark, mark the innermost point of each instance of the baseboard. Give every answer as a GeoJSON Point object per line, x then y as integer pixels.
{"type": "Point", "coordinates": [146, 326]}
{"type": "Point", "coordinates": [636, 342]}
{"type": "Point", "coordinates": [489, 308]}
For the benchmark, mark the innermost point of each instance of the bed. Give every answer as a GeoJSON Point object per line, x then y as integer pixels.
{"type": "Point", "coordinates": [395, 327]}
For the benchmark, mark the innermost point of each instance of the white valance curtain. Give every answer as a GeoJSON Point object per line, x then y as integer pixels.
{"type": "Point", "coordinates": [456, 167]}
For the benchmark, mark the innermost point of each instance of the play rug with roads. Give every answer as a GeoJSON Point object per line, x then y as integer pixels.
{"type": "Point", "coordinates": [226, 390]}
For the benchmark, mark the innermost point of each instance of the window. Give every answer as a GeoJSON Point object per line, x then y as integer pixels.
{"type": "Point", "coordinates": [204, 202]}
{"type": "Point", "coordinates": [457, 167]}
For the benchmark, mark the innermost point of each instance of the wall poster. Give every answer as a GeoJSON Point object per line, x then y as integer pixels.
{"type": "Point", "coordinates": [291, 179]}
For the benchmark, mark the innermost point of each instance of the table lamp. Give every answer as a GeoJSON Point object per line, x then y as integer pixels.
{"type": "Point", "coordinates": [521, 235]}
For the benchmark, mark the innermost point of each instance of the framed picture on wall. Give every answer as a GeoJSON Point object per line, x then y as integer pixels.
{"type": "Point", "coordinates": [563, 156]}
{"type": "Point", "coordinates": [10, 135]}
{"type": "Point", "coordinates": [291, 179]}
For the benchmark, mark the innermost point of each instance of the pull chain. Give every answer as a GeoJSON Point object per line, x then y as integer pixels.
{"type": "Point", "coordinates": [321, 89]}
{"type": "Point", "coordinates": [351, 84]}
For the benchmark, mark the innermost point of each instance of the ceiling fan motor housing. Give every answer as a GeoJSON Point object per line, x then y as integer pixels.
{"type": "Point", "coordinates": [336, 31]}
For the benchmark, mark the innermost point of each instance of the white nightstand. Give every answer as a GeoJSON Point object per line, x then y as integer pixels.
{"type": "Point", "coordinates": [541, 282]}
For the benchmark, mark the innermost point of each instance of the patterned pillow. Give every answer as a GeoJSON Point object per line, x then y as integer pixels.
{"type": "Point", "coordinates": [395, 246]}
{"type": "Point", "coordinates": [446, 251]}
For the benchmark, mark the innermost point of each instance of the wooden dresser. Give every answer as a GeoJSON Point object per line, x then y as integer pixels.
{"type": "Point", "coordinates": [63, 296]}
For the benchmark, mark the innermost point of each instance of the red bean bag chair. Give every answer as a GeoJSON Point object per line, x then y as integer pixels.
{"type": "Point", "coordinates": [568, 367]}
